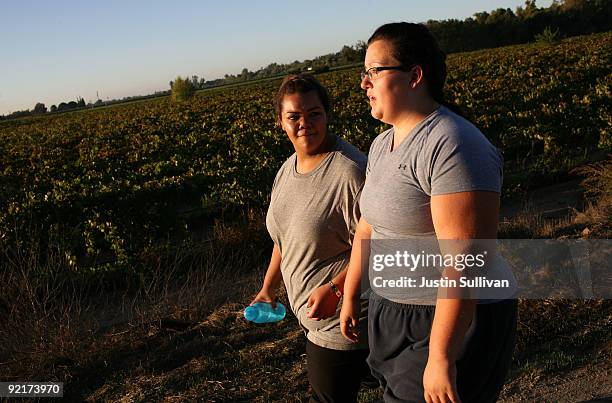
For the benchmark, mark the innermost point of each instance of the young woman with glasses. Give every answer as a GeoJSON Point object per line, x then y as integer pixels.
{"type": "Point", "coordinates": [433, 174]}
{"type": "Point", "coordinates": [312, 218]}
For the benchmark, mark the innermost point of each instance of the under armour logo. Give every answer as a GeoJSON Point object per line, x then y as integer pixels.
{"type": "Point", "coordinates": [402, 166]}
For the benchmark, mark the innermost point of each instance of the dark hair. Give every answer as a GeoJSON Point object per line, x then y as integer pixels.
{"type": "Point", "coordinates": [300, 84]}
{"type": "Point", "coordinates": [415, 44]}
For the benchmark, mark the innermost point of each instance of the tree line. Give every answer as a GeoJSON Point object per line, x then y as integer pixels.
{"type": "Point", "coordinates": [503, 27]}
{"type": "Point", "coordinates": [500, 27]}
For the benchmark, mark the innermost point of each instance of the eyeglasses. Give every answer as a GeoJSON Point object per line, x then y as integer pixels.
{"type": "Point", "coordinates": [372, 72]}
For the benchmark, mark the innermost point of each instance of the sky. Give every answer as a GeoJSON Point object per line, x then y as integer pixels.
{"type": "Point", "coordinates": [56, 51]}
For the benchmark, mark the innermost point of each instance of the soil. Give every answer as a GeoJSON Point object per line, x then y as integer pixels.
{"type": "Point", "coordinates": [588, 383]}
{"type": "Point", "coordinates": [551, 201]}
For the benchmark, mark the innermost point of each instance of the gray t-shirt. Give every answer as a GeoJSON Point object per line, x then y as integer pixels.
{"type": "Point", "coordinates": [443, 154]}
{"type": "Point", "coordinates": [312, 218]}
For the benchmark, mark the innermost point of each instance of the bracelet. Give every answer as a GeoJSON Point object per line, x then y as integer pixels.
{"type": "Point", "coordinates": [335, 289]}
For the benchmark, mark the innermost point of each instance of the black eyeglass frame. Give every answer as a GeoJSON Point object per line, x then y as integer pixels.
{"type": "Point", "coordinates": [378, 69]}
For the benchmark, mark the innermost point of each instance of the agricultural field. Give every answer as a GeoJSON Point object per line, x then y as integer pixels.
{"type": "Point", "coordinates": [112, 182]}
{"type": "Point", "coordinates": [131, 237]}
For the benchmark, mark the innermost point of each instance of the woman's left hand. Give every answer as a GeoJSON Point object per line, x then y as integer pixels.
{"type": "Point", "coordinates": [322, 303]}
{"type": "Point", "coordinates": [440, 381]}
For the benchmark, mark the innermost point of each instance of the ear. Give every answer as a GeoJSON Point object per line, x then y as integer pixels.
{"type": "Point", "coordinates": [416, 77]}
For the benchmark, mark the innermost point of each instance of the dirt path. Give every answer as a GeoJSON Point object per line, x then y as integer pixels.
{"type": "Point", "coordinates": [588, 383]}
{"type": "Point", "coordinates": [591, 383]}
{"type": "Point", "coordinates": [550, 201]}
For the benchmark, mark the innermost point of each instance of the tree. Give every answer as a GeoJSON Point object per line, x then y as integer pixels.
{"type": "Point", "coordinates": [569, 4]}
{"type": "Point", "coordinates": [481, 17]}
{"type": "Point", "coordinates": [528, 11]}
{"type": "Point", "coordinates": [195, 81]}
{"type": "Point", "coordinates": [348, 54]}
{"type": "Point", "coordinates": [19, 114]}
{"type": "Point", "coordinates": [361, 48]}
{"type": "Point", "coordinates": [245, 74]}
{"type": "Point", "coordinates": [182, 89]}
{"type": "Point", "coordinates": [81, 103]}
{"type": "Point", "coordinates": [39, 109]}
{"type": "Point", "coordinates": [53, 108]}
{"type": "Point", "coordinates": [501, 16]}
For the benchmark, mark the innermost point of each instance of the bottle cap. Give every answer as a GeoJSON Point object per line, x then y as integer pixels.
{"type": "Point", "coordinates": [250, 313]}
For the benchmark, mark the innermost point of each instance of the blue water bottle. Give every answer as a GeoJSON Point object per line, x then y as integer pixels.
{"type": "Point", "coordinates": [262, 312]}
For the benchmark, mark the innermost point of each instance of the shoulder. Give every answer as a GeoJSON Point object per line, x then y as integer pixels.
{"type": "Point", "coordinates": [449, 129]}
{"type": "Point", "coordinates": [379, 142]}
{"type": "Point", "coordinates": [285, 169]}
{"type": "Point", "coordinates": [350, 156]}
{"type": "Point", "coordinates": [457, 157]}
{"type": "Point", "coordinates": [287, 165]}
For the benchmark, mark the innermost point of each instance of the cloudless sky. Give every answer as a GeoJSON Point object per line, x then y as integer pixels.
{"type": "Point", "coordinates": [56, 51]}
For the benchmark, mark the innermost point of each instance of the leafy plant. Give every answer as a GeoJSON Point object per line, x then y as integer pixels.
{"type": "Point", "coordinates": [182, 89]}
{"type": "Point", "coordinates": [548, 36]}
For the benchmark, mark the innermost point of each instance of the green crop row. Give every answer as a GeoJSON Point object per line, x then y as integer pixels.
{"type": "Point", "coordinates": [117, 180]}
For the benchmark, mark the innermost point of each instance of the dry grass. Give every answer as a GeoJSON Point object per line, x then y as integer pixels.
{"type": "Point", "coordinates": [57, 322]}
{"type": "Point", "coordinates": [179, 335]}
{"type": "Point", "coordinates": [594, 221]}
{"type": "Point", "coordinates": [556, 336]}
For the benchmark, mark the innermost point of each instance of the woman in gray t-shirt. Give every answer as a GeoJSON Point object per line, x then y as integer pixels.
{"type": "Point", "coordinates": [433, 175]}
{"type": "Point", "coordinates": [311, 219]}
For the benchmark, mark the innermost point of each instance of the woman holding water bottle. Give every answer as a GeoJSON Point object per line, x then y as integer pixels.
{"type": "Point", "coordinates": [312, 217]}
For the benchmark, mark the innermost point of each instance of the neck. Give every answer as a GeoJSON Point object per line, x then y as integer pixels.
{"type": "Point", "coordinates": [409, 119]}
{"type": "Point", "coordinates": [307, 162]}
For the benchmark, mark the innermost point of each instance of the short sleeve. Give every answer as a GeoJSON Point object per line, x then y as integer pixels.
{"type": "Point", "coordinates": [355, 215]}
{"type": "Point", "coordinates": [458, 158]}
{"type": "Point", "coordinates": [271, 224]}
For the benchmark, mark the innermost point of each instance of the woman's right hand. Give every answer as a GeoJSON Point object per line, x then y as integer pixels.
{"type": "Point", "coordinates": [349, 319]}
{"type": "Point", "coordinates": [265, 295]}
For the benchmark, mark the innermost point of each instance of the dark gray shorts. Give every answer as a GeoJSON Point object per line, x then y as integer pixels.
{"type": "Point", "coordinates": [399, 346]}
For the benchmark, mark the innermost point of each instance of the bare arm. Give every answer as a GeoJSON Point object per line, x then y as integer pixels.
{"type": "Point", "coordinates": [272, 279]}
{"type": "Point", "coordinates": [323, 302]}
{"type": "Point", "coordinates": [349, 316]}
{"type": "Point", "coordinates": [465, 215]}
{"type": "Point", "coordinates": [360, 254]}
